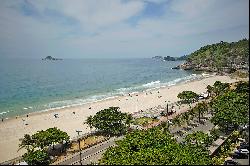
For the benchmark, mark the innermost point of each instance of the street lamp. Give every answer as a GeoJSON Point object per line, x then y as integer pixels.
{"type": "Point", "coordinates": [78, 131]}
{"type": "Point", "coordinates": [167, 115]}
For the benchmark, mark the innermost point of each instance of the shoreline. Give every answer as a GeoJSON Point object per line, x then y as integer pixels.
{"type": "Point", "coordinates": [72, 118]}
{"type": "Point", "coordinates": [115, 96]}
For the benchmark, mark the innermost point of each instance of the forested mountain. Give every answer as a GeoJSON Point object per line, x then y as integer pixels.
{"type": "Point", "coordinates": [219, 57]}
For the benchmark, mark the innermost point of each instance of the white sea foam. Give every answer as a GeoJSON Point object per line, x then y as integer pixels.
{"type": "Point", "coordinates": [118, 92]}
{"type": "Point", "coordinates": [152, 84]}
{"type": "Point", "coordinates": [5, 112]}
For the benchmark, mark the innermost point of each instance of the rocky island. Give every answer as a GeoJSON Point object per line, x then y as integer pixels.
{"type": "Point", "coordinates": [51, 58]}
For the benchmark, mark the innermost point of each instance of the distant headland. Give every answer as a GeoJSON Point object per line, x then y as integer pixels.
{"type": "Point", "coordinates": [51, 58]}
{"type": "Point", "coordinates": [169, 58]}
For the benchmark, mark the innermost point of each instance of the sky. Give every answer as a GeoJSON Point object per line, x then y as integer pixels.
{"type": "Point", "coordinates": [117, 28]}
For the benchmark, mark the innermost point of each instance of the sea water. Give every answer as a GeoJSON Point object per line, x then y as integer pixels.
{"type": "Point", "coordinates": [32, 85]}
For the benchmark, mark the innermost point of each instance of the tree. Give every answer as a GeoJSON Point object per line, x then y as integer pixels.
{"type": "Point", "coordinates": [215, 133]}
{"type": "Point", "coordinates": [154, 147]}
{"type": "Point", "coordinates": [188, 96]}
{"type": "Point", "coordinates": [27, 142]}
{"type": "Point", "coordinates": [43, 139]}
{"type": "Point", "coordinates": [242, 87]}
{"type": "Point", "coordinates": [230, 108]}
{"type": "Point", "coordinates": [220, 88]}
{"type": "Point", "coordinates": [201, 109]}
{"type": "Point", "coordinates": [55, 136]}
{"type": "Point", "coordinates": [37, 143]}
{"type": "Point", "coordinates": [89, 121]}
{"type": "Point", "coordinates": [37, 157]}
{"type": "Point", "coordinates": [217, 56]}
{"type": "Point", "coordinates": [49, 137]}
{"type": "Point", "coordinates": [110, 121]}
{"type": "Point", "coordinates": [200, 139]}
{"type": "Point", "coordinates": [177, 120]}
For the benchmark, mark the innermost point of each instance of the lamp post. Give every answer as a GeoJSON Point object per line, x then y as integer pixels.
{"type": "Point", "coordinates": [78, 131]}
{"type": "Point", "coordinates": [167, 116]}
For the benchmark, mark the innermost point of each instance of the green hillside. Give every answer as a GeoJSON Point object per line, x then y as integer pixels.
{"type": "Point", "coordinates": [220, 56]}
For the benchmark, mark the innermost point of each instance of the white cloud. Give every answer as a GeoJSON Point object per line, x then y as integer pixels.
{"type": "Point", "coordinates": [93, 14]}
{"type": "Point", "coordinates": [102, 27]}
{"type": "Point", "coordinates": [192, 8]}
{"type": "Point", "coordinates": [156, 1]}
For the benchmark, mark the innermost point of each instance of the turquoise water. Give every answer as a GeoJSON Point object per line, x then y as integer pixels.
{"type": "Point", "coordinates": [34, 85]}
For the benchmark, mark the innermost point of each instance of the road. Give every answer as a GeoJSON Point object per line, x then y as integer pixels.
{"type": "Point", "coordinates": [91, 154]}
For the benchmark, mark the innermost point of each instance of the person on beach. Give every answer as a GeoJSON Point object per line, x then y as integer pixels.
{"type": "Point", "coordinates": [2, 119]}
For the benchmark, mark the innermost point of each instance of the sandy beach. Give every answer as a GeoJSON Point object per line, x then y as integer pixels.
{"type": "Point", "coordinates": [71, 119]}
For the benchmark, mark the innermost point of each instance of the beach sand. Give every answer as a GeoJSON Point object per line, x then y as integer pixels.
{"type": "Point", "coordinates": [13, 129]}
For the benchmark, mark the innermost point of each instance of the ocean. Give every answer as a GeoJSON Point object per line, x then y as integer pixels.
{"type": "Point", "coordinates": [32, 85]}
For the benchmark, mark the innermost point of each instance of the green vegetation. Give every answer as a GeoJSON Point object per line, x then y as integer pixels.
{"type": "Point", "coordinates": [201, 108]}
{"type": "Point", "coordinates": [37, 157]}
{"type": "Point", "coordinates": [220, 88]}
{"type": "Point", "coordinates": [198, 110]}
{"type": "Point", "coordinates": [110, 121]}
{"type": "Point", "coordinates": [154, 147]}
{"type": "Point", "coordinates": [188, 96]}
{"type": "Point", "coordinates": [221, 55]}
{"type": "Point", "coordinates": [242, 87]}
{"type": "Point", "coordinates": [230, 109]}
{"type": "Point", "coordinates": [225, 150]}
{"type": "Point", "coordinates": [43, 139]}
{"type": "Point", "coordinates": [215, 133]}
{"type": "Point", "coordinates": [199, 138]}
{"type": "Point", "coordinates": [38, 143]}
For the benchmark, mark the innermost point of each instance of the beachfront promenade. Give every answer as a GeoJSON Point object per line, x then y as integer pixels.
{"type": "Point", "coordinates": [93, 154]}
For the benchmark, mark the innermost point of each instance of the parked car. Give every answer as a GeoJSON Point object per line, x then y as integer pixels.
{"type": "Point", "coordinates": [239, 156]}
{"type": "Point", "coordinates": [246, 146]}
{"type": "Point", "coordinates": [245, 151]}
{"type": "Point", "coordinates": [244, 127]}
{"type": "Point", "coordinates": [230, 162]}
{"type": "Point", "coordinates": [244, 143]}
